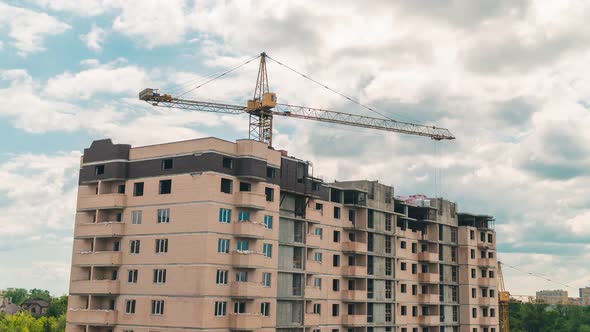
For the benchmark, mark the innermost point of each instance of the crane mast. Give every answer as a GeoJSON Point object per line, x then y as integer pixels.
{"type": "Point", "coordinates": [262, 108]}
{"type": "Point", "coordinates": [503, 301]}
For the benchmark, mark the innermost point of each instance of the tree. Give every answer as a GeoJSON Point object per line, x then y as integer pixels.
{"type": "Point", "coordinates": [58, 306]}
{"type": "Point", "coordinates": [39, 294]}
{"type": "Point", "coordinates": [18, 295]}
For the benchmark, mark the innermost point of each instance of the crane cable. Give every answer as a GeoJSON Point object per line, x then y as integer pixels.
{"type": "Point", "coordinates": [540, 276]}
{"type": "Point", "coordinates": [332, 90]}
{"type": "Point", "coordinates": [218, 76]}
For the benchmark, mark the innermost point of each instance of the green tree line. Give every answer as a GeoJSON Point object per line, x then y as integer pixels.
{"type": "Point", "coordinates": [525, 317]}
{"type": "Point", "coordinates": [53, 321]}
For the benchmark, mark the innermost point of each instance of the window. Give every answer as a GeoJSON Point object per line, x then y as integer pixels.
{"type": "Point", "coordinates": [336, 212]}
{"type": "Point", "coordinates": [245, 186]}
{"type": "Point", "coordinates": [402, 244]}
{"type": "Point", "coordinates": [492, 293]}
{"type": "Point", "coordinates": [351, 215]}
{"type": "Point", "coordinates": [490, 238]}
{"type": "Point", "coordinates": [471, 234]}
{"type": "Point", "coordinates": [319, 232]}
{"type": "Point", "coordinates": [404, 310]}
{"type": "Point", "coordinates": [223, 246]}
{"type": "Point", "coordinates": [482, 236]}
{"type": "Point", "coordinates": [388, 222]}
{"type": "Point", "coordinates": [370, 219]}
{"type": "Point", "coordinates": [226, 185]}
{"type": "Point", "coordinates": [221, 278]}
{"type": "Point", "coordinates": [130, 306]}
{"type": "Point", "coordinates": [414, 289]}
{"type": "Point", "coordinates": [165, 187]}
{"type": "Point", "coordinates": [414, 268]}
{"type": "Point", "coordinates": [241, 276]}
{"type": "Point", "coordinates": [317, 282]}
{"type": "Point", "coordinates": [270, 194]}
{"type": "Point", "coordinates": [484, 273]}
{"type": "Point", "coordinates": [473, 273]}
{"type": "Point", "coordinates": [265, 308]}
{"type": "Point", "coordinates": [403, 288]}
{"type": "Point", "coordinates": [403, 266]}
{"type": "Point", "coordinates": [163, 216]}
{"type": "Point", "coordinates": [317, 256]}
{"type": "Point", "coordinates": [98, 169]}
{"type": "Point", "coordinates": [388, 266]}
{"type": "Point", "coordinates": [472, 253]}
{"type": "Point", "coordinates": [240, 307]}
{"type": "Point", "coordinates": [453, 235]}
{"type": "Point", "coordinates": [167, 164]}
{"type": "Point", "coordinates": [267, 249]}
{"type": "Point", "coordinates": [473, 293]}
{"type": "Point", "coordinates": [414, 247]}
{"type": "Point", "coordinates": [317, 308]}
{"type": "Point", "coordinates": [159, 276]}
{"type": "Point", "coordinates": [490, 254]}
{"type": "Point", "coordinates": [388, 289]}
{"type": "Point", "coordinates": [243, 215]}
{"type": "Point", "coordinates": [224, 216]}
{"type": "Point", "coordinates": [484, 292]}
{"type": "Point", "coordinates": [136, 217]}
{"type": "Point", "coordinates": [134, 247]}
{"type": "Point", "coordinates": [157, 307]}
{"type": "Point", "coordinates": [414, 311]}
{"type": "Point", "coordinates": [335, 285]}
{"type": "Point", "coordinates": [492, 312]}
{"type": "Point", "coordinates": [336, 260]}
{"type": "Point", "coordinates": [455, 314]}
{"type": "Point", "coordinates": [271, 172]}
{"type": "Point", "coordinates": [121, 189]}
{"type": "Point", "coordinates": [220, 308]}
{"type": "Point", "coordinates": [336, 236]}
{"type": "Point", "coordinates": [491, 274]}
{"type": "Point", "coordinates": [268, 222]}
{"type": "Point", "coordinates": [132, 276]}
{"type": "Point", "coordinates": [242, 245]}
{"type": "Point", "coordinates": [319, 206]}
{"type": "Point", "coordinates": [388, 244]}
{"type": "Point", "coordinates": [138, 189]}
{"type": "Point", "coordinates": [335, 309]}
{"type": "Point", "coordinates": [266, 279]}
{"type": "Point", "coordinates": [161, 246]}
{"type": "Point", "coordinates": [227, 162]}
{"type": "Point", "coordinates": [484, 312]}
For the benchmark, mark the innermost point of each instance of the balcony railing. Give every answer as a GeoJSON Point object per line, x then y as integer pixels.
{"type": "Point", "coordinates": [104, 201]}
{"type": "Point", "coordinates": [351, 270]}
{"type": "Point", "coordinates": [311, 319]}
{"type": "Point", "coordinates": [99, 229]}
{"type": "Point", "coordinates": [313, 292]}
{"type": "Point", "coordinates": [92, 317]}
{"type": "Point", "coordinates": [354, 320]}
{"type": "Point", "coordinates": [99, 258]}
{"type": "Point", "coordinates": [313, 240]}
{"type": "Point", "coordinates": [94, 287]}
{"type": "Point", "coordinates": [249, 199]}
{"type": "Point", "coordinates": [249, 229]}
{"type": "Point", "coordinates": [249, 290]}
{"type": "Point", "coordinates": [354, 295]}
{"type": "Point", "coordinates": [350, 246]}
{"type": "Point", "coordinates": [249, 259]}
{"type": "Point", "coordinates": [428, 256]}
{"type": "Point", "coordinates": [428, 278]}
{"type": "Point", "coordinates": [245, 321]}
{"type": "Point", "coordinates": [429, 320]}
{"type": "Point", "coordinates": [313, 266]}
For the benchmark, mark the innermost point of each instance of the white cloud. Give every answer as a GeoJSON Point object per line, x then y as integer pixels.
{"type": "Point", "coordinates": [82, 8]}
{"type": "Point", "coordinates": [28, 28]}
{"type": "Point", "coordinates": [94, 38]}
{"type": "Point", "coordinates": [113, 78]}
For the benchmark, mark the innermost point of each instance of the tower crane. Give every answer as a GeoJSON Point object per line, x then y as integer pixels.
{"type": "Point", "coordinates": [263, 107]}
{"type": "Point", "coordinates": [503, 300]}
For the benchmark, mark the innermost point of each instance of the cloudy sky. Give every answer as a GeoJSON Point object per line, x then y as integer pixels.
{"type": "Point", "coordinates": [508, 78]}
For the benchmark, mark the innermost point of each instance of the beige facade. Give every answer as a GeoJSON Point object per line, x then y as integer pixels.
{"type": "Point", "coordinates": [553, 296]}
{"type": "Point", "coordinates": [210, 235]}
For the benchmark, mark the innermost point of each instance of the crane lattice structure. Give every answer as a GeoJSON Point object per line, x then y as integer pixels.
{"type": "Point", "coordinates": [263, 107]}
{"type": "Point", "coordinates": [503, 300]}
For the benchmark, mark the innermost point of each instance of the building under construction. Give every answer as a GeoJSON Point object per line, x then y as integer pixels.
{"type": "Point", "coordinates": [211, 235]}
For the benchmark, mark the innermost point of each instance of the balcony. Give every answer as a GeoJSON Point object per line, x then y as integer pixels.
{"type": "Point", "coordinates": [249, 199]}
{"type": "Point", "coordinates": [100, 229]}
{"type": "Point", "coordinates": [429, 278]}
{"type": "Point", "coordinates": [311, 319]}
{"type": "Point", "coordinates": [350, 246]}
{"type": "Point", "coordinates": [429, 298]}
{"type": "Point", "coordinates": [248, 229]}
{"type": "Point", "coordinates": [313, 292]}
{"type": "Point", "coordinates": [248, 290]}
{"type": "Point", "coordinates": [354, 320]}
{"type": "Point", "coordinates": [313, 215]}
{"type": "Point", "coordinates": [313, 240]}
{"type": "Point", "coordinates": [486, 262]}
{"type": "Point", "coordinates": [483, 245]}
{"type": "Point", "coordinates": [100, 287]}
{"type": "Point", "coordinates": [313, 266]}
{"type": "Point", "coordinates": [354, 270]}
{"type": "Point", "coordinates": [92, 317]}
{"type": "Point", "coordinates": [354, 295]}
{"type": "Point", "coordinates": [249, 260]}
{"type": "Point", "coordinates": [98, 258]}
{"type": "Point", "coordinates": [486, 282]}
{"type": "Point", "coordinates": [430, 320]}
{"type": "Point", "coordinates": [104, 201]}
{"type": "Point", "coordinates": [245, 322]}
{"type": "Point", "coordinates": [428, 256]}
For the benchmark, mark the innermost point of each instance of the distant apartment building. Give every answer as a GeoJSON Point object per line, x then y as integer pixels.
{"type": "Point", "coordinates": [585, 296]}
{"type": "Point", "coordinates": [211, 235]}
{"type": "Point", "coordinates": [553, 296]}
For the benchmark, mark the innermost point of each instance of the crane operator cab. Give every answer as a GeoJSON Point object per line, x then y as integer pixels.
{"type": "Point", "coordinates": [269, 100]}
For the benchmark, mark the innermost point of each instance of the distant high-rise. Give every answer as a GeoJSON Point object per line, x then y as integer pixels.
{"type": "Point", "coordinates": [585, 296]}
{"type": "Point", "coordinates": [553, 296]}
{"type": "Point", "coordinates": [211, 235]}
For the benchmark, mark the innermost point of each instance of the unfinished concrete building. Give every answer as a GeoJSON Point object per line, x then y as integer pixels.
{"type": "Point", "coordinates": [211, 235]}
